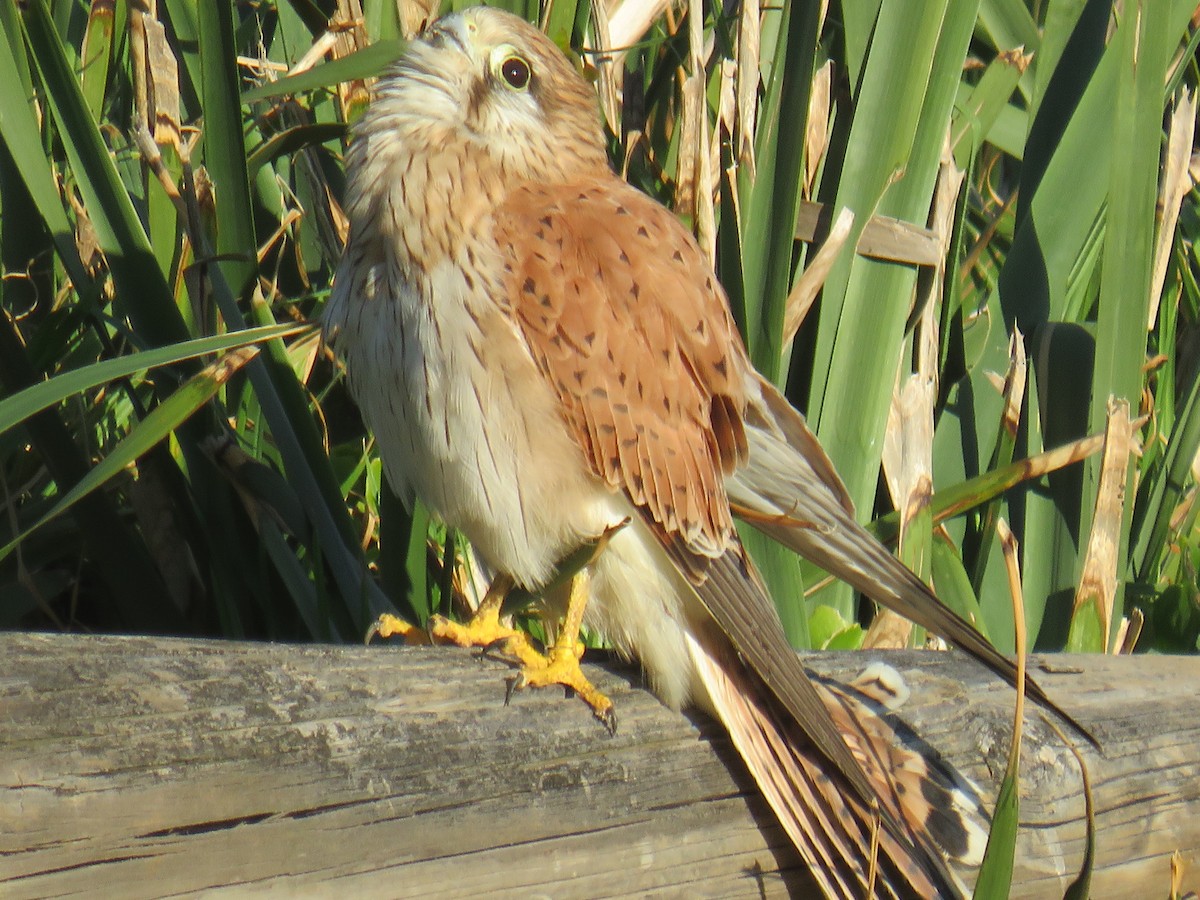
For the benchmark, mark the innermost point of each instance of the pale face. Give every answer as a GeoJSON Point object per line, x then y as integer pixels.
{"type": "Point", "coordinates": [489, 80]}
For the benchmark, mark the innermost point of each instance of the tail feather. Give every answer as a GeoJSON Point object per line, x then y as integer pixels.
{"type": "Point", "coordinates": [791, 493]}
{"type": "Point", "coordinates": [933, 816]}
{"type": "Point", "coordinates": [929, 798]}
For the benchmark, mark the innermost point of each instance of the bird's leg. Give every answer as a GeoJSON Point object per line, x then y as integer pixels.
{"type": "Point", "coordinates": [560, 663]}
{"type": "Point", "coordinates": [484, 628]}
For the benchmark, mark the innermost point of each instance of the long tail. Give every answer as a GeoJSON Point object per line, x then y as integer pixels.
{"type": "Point", "coordinates": [794, 495]}
{"type": "Point", "coordinates": [848, 852]}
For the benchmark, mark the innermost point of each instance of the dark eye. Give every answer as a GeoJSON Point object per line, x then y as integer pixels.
{"type": "Point", "coordinates": [516, 72]}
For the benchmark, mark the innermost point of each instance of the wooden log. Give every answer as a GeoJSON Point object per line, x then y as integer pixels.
{"type": "Point", "coordinates": [145, 767]}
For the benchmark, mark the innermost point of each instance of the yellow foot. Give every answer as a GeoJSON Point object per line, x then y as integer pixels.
{"type": "Point", "coordinates": [560, 665]}
{"type": "Point", "coordinates": [387, 626]}
{"type": "Point", "coordinates": [482, 630]}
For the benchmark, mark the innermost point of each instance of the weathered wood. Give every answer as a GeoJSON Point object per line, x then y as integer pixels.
{"type": "Point", "coordinates": [143, 767]}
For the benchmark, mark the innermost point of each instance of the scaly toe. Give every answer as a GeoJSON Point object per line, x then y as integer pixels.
{"type": "Point", "coordinates": [561, 667]}
{"type": "Point", "coordinates": [387, 626]}
{"type": "Point", "coordinates": [486, 632]}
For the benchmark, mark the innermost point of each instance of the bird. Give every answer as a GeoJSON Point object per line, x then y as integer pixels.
{"type": "Point", "coordinates": [549, 364]}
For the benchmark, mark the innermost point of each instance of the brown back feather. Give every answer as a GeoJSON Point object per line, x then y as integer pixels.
{"type": "Point", "coordinates": [625, 319]}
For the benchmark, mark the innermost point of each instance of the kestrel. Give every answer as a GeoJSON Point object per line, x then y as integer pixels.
{"type": "Point", "coordinates": [548, 363]}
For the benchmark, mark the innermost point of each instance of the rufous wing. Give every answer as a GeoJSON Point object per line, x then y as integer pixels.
{"type": "Point", "coordinates": [624, 318]}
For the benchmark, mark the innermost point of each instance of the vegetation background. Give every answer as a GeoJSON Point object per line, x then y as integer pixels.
{"type": "Point", "coordinates": [1016, 338]}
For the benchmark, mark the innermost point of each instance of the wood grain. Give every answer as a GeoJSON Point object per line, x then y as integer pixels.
{"type": "Point", "coordinates": [141, 767]}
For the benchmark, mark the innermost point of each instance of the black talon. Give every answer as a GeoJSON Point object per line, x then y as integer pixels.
{"type": "Point", "coordinates": [609, 718]}
{"type": "Point", "coordinates": [511, 686]}
{"type": "Point", "coordinates": [376, 630]}
{"type": "Point", "coordinates": [494, 650]}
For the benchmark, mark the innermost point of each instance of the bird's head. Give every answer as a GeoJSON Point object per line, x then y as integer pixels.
{"type": "Point", "coordinates": [487, 79]}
